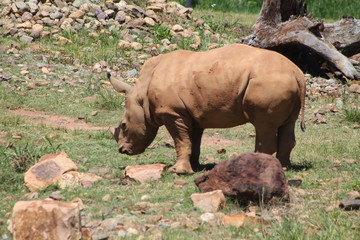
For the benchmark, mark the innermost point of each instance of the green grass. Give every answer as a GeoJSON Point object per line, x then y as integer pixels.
{"type": "Point", "coordinates": [326, 9]}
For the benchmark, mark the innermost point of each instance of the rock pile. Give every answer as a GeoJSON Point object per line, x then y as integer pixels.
{"type": "Point", "coordinates": [32, 19]}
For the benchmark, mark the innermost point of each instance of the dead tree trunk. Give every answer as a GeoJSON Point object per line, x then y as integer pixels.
{"type": "Point", "coordinates": [284, 27]}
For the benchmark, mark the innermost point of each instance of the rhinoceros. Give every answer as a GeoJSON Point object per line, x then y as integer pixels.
{"type": "Point", "coordinates": [221, 88]}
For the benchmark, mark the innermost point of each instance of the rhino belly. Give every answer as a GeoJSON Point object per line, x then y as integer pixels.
{"type": "Point", "coordinates": [220, 119]}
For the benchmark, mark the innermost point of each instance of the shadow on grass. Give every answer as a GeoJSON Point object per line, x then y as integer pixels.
{"type": "Point", "coordinates": [300, 167]}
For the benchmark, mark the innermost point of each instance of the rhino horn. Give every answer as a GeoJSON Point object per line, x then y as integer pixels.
{"type": "Point", "coordinates": [118, 84]}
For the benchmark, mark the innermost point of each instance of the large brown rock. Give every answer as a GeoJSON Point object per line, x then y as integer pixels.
{"type": "Point", "coordinates": [249, 176]}
{"type": "Point", "coordinates": [45, 219]}
{"type": "Point", "coordinates": [48, 171]}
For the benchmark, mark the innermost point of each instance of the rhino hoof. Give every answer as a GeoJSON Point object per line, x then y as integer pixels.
{"type": "Point", "coordinates": [180, 170]}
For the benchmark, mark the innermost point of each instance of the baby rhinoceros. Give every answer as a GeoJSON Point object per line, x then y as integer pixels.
{"type": "Point", "coordinates": [221, 88]}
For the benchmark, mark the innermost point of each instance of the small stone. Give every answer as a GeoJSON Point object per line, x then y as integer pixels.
{"type": "Point", "coordinates": [36, 30]}
{"type": "Point", "coordinates": [294, 182]}
{"type": "Point", "coordinates": [355, 88]}
{"type": "Point", "coordinates": [120, 17]}
{"type": "Point", "coordinates": [26, 16]}
{"type": "Point", "coordinates": [32, 195]}
{"type": "Point", "coordinates": [102, 16]}
{"type": "Point", "coordinates": [94, 113]}
{"type": "Point", "coordinates": [221, 151]}
{"type": "Point", "coordinates": [149, 22]}
{"type": "Point", "coordinates": [143, 173]}
{"type": "Point", "coordinates": [6, 11]}
{"type": "Point", "coordinates": [57, 196]}
{"type": "Point", "coordinates": [106, 198]}
{"type": "Point", "coordinates": [131, 73]}
{"type": "Point", "coordinates": [207, 217]}
{"type": "Point", "coordinates": [350, 204]}
{"type": "Point", "coordinates": [56, 15]}
{"type": "Point", "coordinates": [22, 7]}
{"type": "Point", "coordinates": [76, 15]}
{"type": "Point", "coordinates": [177, 28]}
{"type": "Point", "coordinates": [209, 201]}
{"type": "Point", "coordinates": [145, 197]}
{"type": "Point", "coordinates": [239, 220]}
{"type": "Point", "coordinates": [124, 44]}
{"type": "Point", "coordinates": [136, 46]}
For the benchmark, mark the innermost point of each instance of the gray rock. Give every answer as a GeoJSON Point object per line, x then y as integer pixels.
{"type": "Point", "coordinates": [294, 182]}
{"type": "Point", "coordinates": [78, 3]}
{"type": "Point", "coordinates": [25, 38]}
{"type": "Point", "coordinates": [131, 73]}
{"type": "Point", "coordinates": [120, 17]}
{"type": "Point", "coordinates": [102, 16]}
{"type": "Point", "coordinates": [97, 10]}
{"type": "Point", "coordinates": [60, 3]}
{"type": "Point", "coordinates": [350, 204]}
{"type": "Point", "coordinates": [23, 7]}
{"type": "Point", "coordinates": [111, 223]}
{"type": "Point", "coordinates": [34, 8]}
{"type": "Point", "coordinates": [56, 15]}
{"type": "Point", "coordinates": [26, 16]}
{"type": "Point", "coordinates": [110, 13]}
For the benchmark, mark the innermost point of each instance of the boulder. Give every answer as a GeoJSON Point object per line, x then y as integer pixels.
{"type": "Point", "coordinates": [209, 201]}
{"type": "Point", "coordinates": [143, 173]}
{"type": "Point", "coordinates": [249, 177]}
{"type": "Point", "coordinates": [48, 171]}
{"type": "Point", "coordinates": [45, 219]}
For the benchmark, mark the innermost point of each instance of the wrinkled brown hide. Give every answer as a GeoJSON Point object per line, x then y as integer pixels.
{"type": "Point", "coordinates": [221, 88]}
{"type": "Point", "coordinates": [249, 176]}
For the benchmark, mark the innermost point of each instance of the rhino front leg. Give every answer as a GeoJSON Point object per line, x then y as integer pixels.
{"type": "Point", "coordinates": [180, 129]}
{"type": "Point", "coordinates": [195, 150]}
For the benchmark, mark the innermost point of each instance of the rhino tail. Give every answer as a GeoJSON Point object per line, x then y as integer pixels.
{"type": "Point", "coordinates": [302, 85]}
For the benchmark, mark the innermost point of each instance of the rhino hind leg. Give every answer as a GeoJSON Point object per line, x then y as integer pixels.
{"type": "Point", "coordinates": [286, 142]}
{"type": "Point", "coordinates": [266, 139]}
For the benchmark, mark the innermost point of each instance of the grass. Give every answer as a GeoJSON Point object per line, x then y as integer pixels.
{"type": "Point", "coordinates": [326, 9]}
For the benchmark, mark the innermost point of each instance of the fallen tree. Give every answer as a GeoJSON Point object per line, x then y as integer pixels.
{"type": "Point", "coordinates": [284, 26]}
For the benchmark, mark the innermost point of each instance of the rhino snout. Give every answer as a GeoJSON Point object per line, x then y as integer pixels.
{"type": "Point", "coordinates": [125, 149]}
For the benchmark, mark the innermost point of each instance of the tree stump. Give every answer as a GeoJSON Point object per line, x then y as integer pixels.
{"type": "Point", "coordinates": [284, 26]}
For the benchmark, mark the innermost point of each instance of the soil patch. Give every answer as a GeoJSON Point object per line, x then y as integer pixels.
{"type": "Point", "coordinates": [214, 141]}
{"type": "Point", "coordinates": [55, 121]}
{"type": "Point", "coordinates": [69, 123]}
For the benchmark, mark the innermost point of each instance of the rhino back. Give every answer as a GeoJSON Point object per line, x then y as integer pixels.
{"type": "Point", "coordinates": [210, 86]}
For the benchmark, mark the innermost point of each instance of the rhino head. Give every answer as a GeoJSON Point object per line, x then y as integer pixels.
{"type": "Point", "coordinates": [134, 133]}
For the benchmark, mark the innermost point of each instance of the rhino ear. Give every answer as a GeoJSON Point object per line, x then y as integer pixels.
{"type": "Point", "coordinates": [118, 84]}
